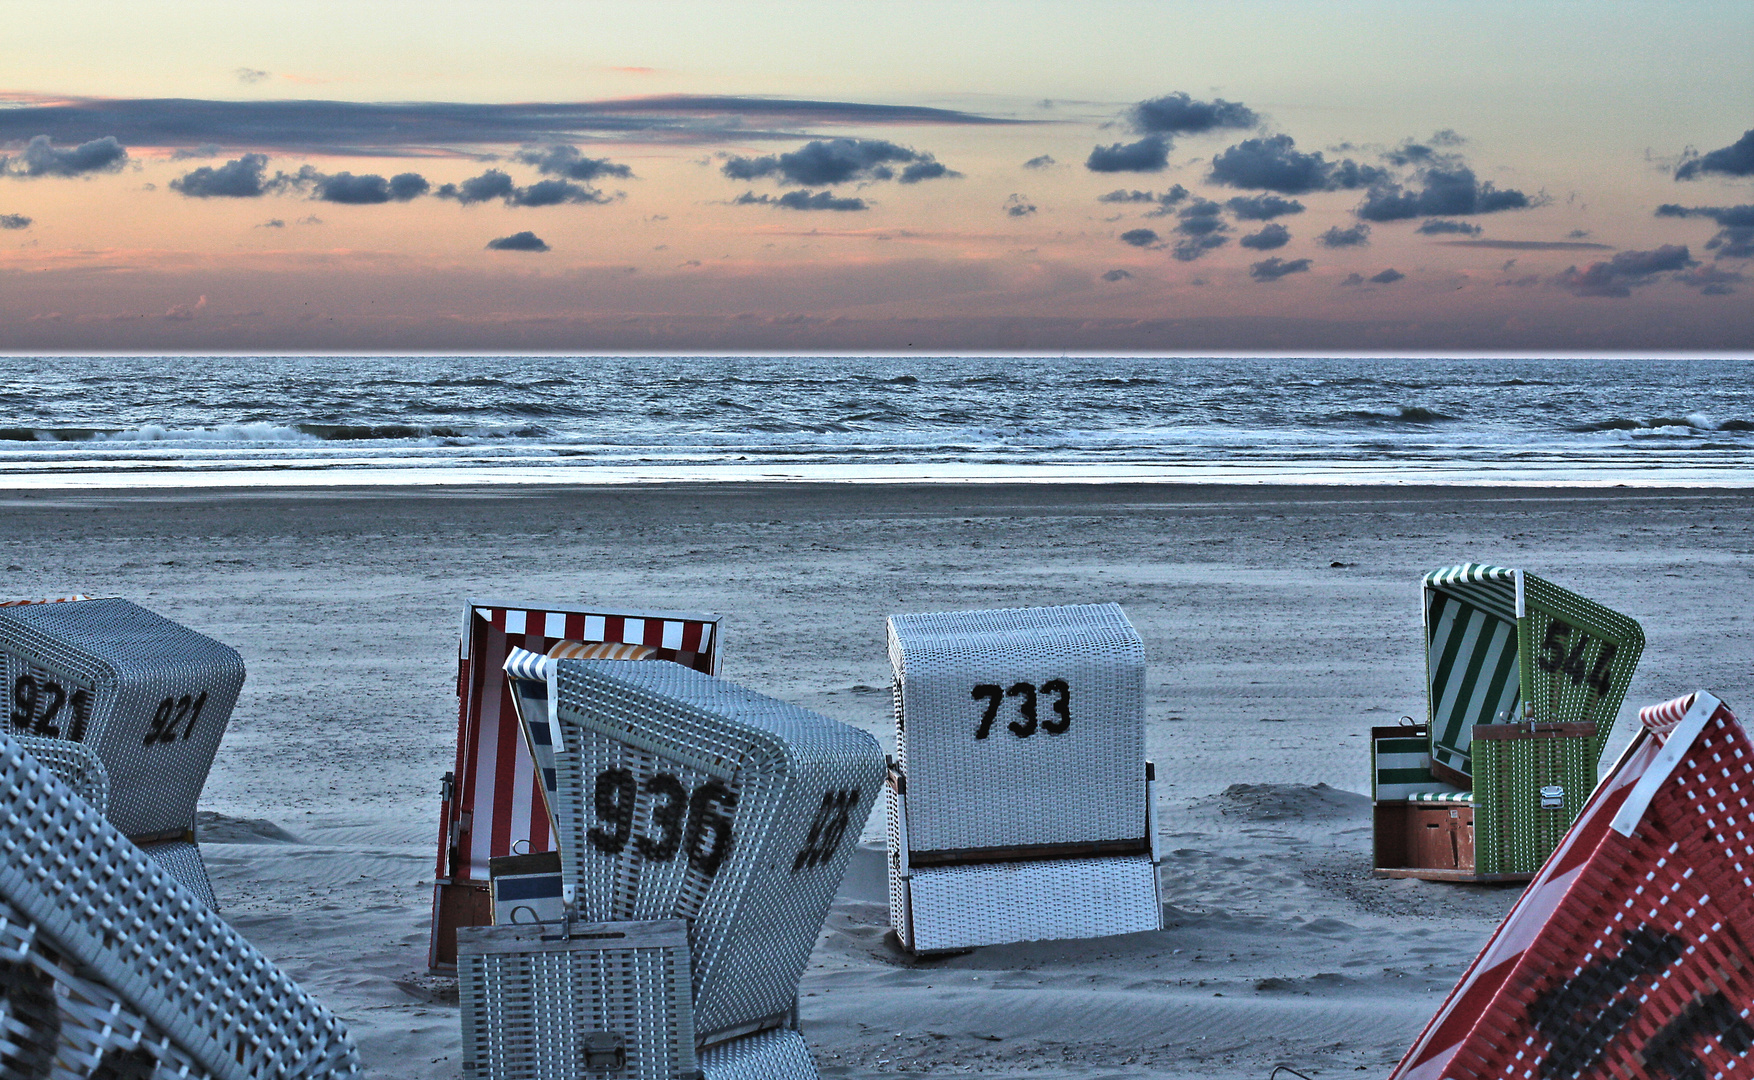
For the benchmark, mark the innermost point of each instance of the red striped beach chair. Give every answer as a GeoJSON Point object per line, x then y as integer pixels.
{"type": "Point", "coordinates": [493, 802]}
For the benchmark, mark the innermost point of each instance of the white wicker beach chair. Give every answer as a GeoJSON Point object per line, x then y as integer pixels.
{"type": "Point", "coordinates": [1020, 804]}
{"type": "Point", "coordinates": [110, 967]}
{"type": "Point", "coordinates": [149, 697]}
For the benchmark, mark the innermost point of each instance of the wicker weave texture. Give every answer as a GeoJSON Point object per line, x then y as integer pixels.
{"type": "Point", "coordinates": [1021, 726]}
{"type": "Point", "coordinates": [961, 907]}
{"type": "Point", "coordinates": [182, 860]}
{"type": "Point", "coordinates": [1642, 970]}
{"type": "Point", "coordinates": [532, 995]}
{"type": "Point", "coordinates": [150, 697]}
{"type": "Point", "coordinates": [682, 795]}
{"type": "Point", "coordinates": [771, 1055]}
{"type": "Point", "coordinates": [103, 904]}
{"type": "Point", "coordinates": [76, 766]}
{"type": "Point", "coordinates": [1517, 783]}
{"type": "Point", "coordinates": [1582, 657]}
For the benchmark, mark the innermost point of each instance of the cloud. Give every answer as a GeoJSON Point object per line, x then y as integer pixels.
{"type": "Point", "coordinates": [496, 184]}
{"type": "Point", "coordinates": [378, 129]}
{"type": "Point", "coordinates": [1164, 202]}
{"type": "Point", "coordinates": [366, 190]}
{"type": "Point", "coordinates": [273, 223]}
{"type": "Point", "coordinates": [518, 241]}
{"type": "Point", "coordinates": [1200, 218]}
{"type": "Point", "coordinates": [1447, 138]}
{"type": "Point", "coordinates": [1615, 277]}
{"type": "Point", "coordinates": [1140, 238]}
{"type": "Point", "coordinates": [1387, 277]}
{"type": "Point", "coordinates": [14, 221]}
{"type": "Point", "coordinates": [1735, 240]}
{"type": "Point", "coordinates": [1262, 207]}
{"type": "Point", "coordinates": [1448, 189]}
{"type": "Point", "coordinates": [208, 150]}
{"type": "Point", "coordinates": [1117, 275]}
{"type": "Point", "coordinates": [492, 184]}
{"type": "Point", "coordinates": [238, 179]}
{"type": "Point", "coordinates": [1193, 247]}
{"type": "Point", "coordinates": [1710, 280]}
{"type": "Point", "coordinates": [570, 163]}
{"type": "Point", "coordinates": [185, 312]}
{"type": "Point", "coordinates": [1040, 161]}
{"type": "Point", "coordinates": [1529, 245]}
{"type": "Point", "coordinates": [1150, 154]}
{"type": "Point", "coordinates": [1179, 114]}
{"type": "Point", "coordinates": [1441, 226]}
{"type": "Point", "coordinates": [802, 200]}
{"type": "Point", "coordinates": [1275, 268]}
{"type": "Point", "coordinates": [1275, 164]}
{"type": "Point", "coordinates": [40, 158]}
{"type": "Point", "coordinates": [1271, 237]}
{"type": "Point", "coordinates": [839, 161]}
{"type": "Point", "coordinates": [1336, 237]}
{"type": "Point", "coordinates": [1736, 159]}
{"type": "Point", "coordinates": [1018, 206]}
{"type": "Point", "coordinates": [250, 76]}
{"type": "Point", "coordinates": [1353, 279]}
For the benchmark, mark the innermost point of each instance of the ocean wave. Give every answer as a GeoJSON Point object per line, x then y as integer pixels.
{"type": "Point", "coordinates": [1411, 414]}
{"type": "Point", "coordinates": [152, 433]}
{"type": "Point", "coordinates": [1690, 422]}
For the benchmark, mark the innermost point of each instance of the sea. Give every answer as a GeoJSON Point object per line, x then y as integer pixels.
{"type": "Point", "coordinates": [71, 422]}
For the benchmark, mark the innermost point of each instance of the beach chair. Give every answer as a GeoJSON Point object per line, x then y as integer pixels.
{"type": "Point", "coordinates": [110, 967]}
{"type": "Point", "coordinates": [492, 802]}
{"type": "Point", "coordinates": [150, 698]}
{"type": "Point", "coordinates": [684, 796]}
{"type": "Point", "coordinates": [1524, 680]}
{"type": "Point", "coordinates": [1020, 802]}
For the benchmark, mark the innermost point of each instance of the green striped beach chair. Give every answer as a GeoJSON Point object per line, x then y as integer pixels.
{"type": "Point", "coordinates": [1523, 683]}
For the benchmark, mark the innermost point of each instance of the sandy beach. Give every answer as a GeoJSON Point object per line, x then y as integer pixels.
{"type": "Point", "coordinates": [1280, 623]}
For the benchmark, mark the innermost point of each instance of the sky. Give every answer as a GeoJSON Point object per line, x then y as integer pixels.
{"type": "Point", "coordinates": [853, 177]}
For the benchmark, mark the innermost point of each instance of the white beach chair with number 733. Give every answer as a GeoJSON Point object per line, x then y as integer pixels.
{"type": "Point", "coordinates": [110, 967]}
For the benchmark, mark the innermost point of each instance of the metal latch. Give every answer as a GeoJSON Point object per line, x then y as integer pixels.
{"type": "Point", "coordinates": [1552, 797]}
{"type": "Point", "coordinates": [605, 1051]}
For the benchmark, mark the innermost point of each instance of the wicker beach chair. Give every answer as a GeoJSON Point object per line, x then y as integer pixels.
{"type": "Point", "coordinates": [1020, 803]}
{"type": "Point", "coordinates": [493, 802]}
{"type": "Point", "coordinates": [151, 699]}
{"type": "Point", "coordinates": [110, 967]}
{"type": "Point", "coordinates": [1524, 680]}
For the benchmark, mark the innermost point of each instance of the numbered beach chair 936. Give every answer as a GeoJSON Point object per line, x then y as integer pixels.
{"type": "Point", "coordinates": [149, 697]}
{"type": "Point", "coordinates": [109, 967]}
{"type": "Point", "coordinates": [1524, 680]}
{"type": "Point", "coordinates": [684, 796]}
{"type": "Point", "coordinates": [1020, 803]}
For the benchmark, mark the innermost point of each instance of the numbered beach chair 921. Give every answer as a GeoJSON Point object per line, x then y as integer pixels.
{"type": "Point", "coordinates": [1021, 802]}
{"type": "Point", "coordinates": [149, 697]}
{"type": "Point", "coordinates": [1524, 680]}
{"type": "Point", "coordinates": [109, 967]}
{"type": "Point", "coordinates": [493, 803]}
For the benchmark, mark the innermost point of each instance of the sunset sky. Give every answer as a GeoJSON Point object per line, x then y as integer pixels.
{"type": "Point", "coordinates": [1133, 177]}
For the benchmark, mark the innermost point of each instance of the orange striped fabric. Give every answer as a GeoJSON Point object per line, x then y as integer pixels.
{"type": "Point", "coordinates": [600, 650]}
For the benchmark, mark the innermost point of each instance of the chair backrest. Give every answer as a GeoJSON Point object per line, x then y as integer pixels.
{"type": "Point", "coordinates": [109, 959]}
{"type": "Point", "coordinates": [1504, 646]}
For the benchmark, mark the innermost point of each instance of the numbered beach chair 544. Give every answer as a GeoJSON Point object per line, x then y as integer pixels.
{"type": "Point", "coordinates": [1524, 682]}
{"type": "Point", "coordinates": [109, 967]}
{"type": "Point", "coordinates": [493, 803]}
{"type": "Point", "coordinates": [149, 697]}
{"type": "Point", "coordinates": [1020, 807]}
{"type": "Point", "coordinates": [686, 796]}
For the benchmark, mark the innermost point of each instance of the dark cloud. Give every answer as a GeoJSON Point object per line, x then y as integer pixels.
{"type": "Point", "coordinates": [273, 223]}
{"type": "Point", "coordinates": [250, 76]}
{"type": "Point", "coordinates": [1164, 202]}
{"type": "Point", "coordinates": [519, 241]}
{"type": "Point", "coordinates": [1269, 238]}
{"type": "Point", "coordinates": [1018, 206]}
{"type": "Point", "coordinates": [1446, 138]}
{"type": "Point", "coordinates": [492, 184]}
{"type": "Point", "coordinates": [1710, 280]}
{"type": "Point", "coordinates": [14, 221]}
{"type": "Point", "coordinates": [1736, 159]}
{"type": "Point", "coordinates": [1275, 164]}
{"type": "Point", "coordinates": [1578, 234]}
{"type": "Point", "coordinates": [1140, 237]}
{"type": "Point", "coordinates": [1117, 275]}
{"type": "Point", "coordinates": [555, 192]}
{"type": "Point", "coordinates": [802, 200]}
{"type": "Point", "coordinates": [1447, 189]}
{"type": "Point", "coordinates": [839, 161]}
{"type": "Point", "coordinates": [1200, 218]}
{"type": "Point", "coordinates": [1275, 268]}
{"type": "Point", "coordinates": [1150, 154]}
{"type": "Point", "coordinates": [1410, 153]}
{"type": "Point", "coordinates": [1735, 243]}
{"type": "Point", "coordinates": [1353, 279]}
{"type": "Point", "coordinates": [41, 158]}
{"type": "Point", "coordinates": [1442, 226]}
{"type": "Point", "coordinates": [1735, 240]}
{"type": "Point", "coordinates": [199, 153]}
{"type": "Point", "coordinates": [366, 190]}
{"type": "Point", "coordinates": [242, 178]}
{"type": "Point", "coordinates": [1616, 276]}
{"type": "Point", "coordinates": [570, 163]}
{"type": "Point", "coordinates": [384, 129]}
{"type": "Point", "coordinates": [1179, 114]}
{"type": "Point", "coordinates": [1040, 161]}
{"type": "Point", "coordinates": [1192, 247]}
{"type": "Point", "coordinates": [1387, 277]}
{"type": "Point", "coordinates": [1336, 237]}
{"type": "Point", "coordinates": [1262, 207]}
